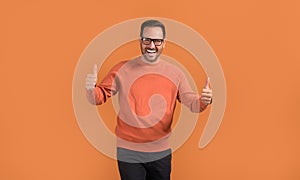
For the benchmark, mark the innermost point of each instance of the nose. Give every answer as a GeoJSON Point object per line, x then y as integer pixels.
{"type": "Point", "coordinates": [152, 45]}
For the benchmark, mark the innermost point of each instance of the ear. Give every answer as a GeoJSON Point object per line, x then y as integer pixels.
{"type": "Point", "coordinates": [164, 43]}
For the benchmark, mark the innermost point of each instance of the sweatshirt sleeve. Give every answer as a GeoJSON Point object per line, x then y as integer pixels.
{"type": "Point", "coordinates": [188, 97]}
{"type": "Point", "coordinates": [106, 88]}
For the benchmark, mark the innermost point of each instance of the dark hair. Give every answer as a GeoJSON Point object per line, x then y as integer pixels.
{"type": "Point", "coordinates": [153, 23]}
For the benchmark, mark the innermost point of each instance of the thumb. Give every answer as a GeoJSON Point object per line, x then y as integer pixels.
{"type": "Point", "coordinates": [95, 70]}
{"type": "Point", "coordinates": [207, 83]}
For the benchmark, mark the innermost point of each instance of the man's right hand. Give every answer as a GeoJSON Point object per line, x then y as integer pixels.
{"type": "Point", "coordinates": [91, 79]}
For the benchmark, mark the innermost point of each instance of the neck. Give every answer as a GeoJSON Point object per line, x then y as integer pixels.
{"type": "Point", "coordinates": [149, 62]}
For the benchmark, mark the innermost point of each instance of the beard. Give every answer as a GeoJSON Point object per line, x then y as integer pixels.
{"type": "Point", "coordinates": [150, 54]}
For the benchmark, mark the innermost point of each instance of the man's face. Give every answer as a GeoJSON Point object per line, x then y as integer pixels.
{"type": "Point", "coordinates": [152, 43]}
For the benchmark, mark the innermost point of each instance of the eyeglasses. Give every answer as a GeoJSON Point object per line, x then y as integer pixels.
{"type": "Point", "coordinates": [147, 41]}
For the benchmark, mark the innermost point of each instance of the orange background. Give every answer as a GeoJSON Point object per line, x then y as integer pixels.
{"type": "Point", "coordinates": [257, 43]}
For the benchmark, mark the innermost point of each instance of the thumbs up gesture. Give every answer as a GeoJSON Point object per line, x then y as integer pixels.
{"type": "Point", "coordinates": [206, 95]}
{"type": "Point", "coordinates": [91, 79]}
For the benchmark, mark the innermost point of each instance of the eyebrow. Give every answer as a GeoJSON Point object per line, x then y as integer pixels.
{"type": "Point", "coordinates": [152, 38]}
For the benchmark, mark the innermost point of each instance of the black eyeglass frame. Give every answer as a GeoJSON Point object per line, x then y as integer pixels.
{"type": "Point", "coordinates": [157, 42]}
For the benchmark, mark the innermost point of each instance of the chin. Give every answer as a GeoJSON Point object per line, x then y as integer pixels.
{"type": "Point", "coordinates": [150, 59]}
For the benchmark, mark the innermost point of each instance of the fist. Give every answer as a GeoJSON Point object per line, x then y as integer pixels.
{"type": "Point", "coordinates": [91, 79]}
{"type": "Point", "coordinates": [206, 95]}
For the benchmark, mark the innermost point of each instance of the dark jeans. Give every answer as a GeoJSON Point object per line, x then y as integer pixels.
{"type": "Point", "coordinates": [135, 165]}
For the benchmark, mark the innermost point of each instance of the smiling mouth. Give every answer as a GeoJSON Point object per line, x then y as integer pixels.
{"type": "Point", "coordinates": [151, 51]}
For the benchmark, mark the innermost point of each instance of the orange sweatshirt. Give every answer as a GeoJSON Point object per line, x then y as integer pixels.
{"type": "Point", "coordinates": [147, 96]}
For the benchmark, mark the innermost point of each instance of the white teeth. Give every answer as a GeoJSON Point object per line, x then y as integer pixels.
{"type": "Point", "coordinates": [151, 51]}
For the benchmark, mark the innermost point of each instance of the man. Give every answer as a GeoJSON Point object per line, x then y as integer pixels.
{"type": "Point", "coordinates": [148, 88]}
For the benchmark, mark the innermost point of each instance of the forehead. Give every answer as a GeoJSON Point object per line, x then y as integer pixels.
{"type": "Point", "coordinates": [153, 32]}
